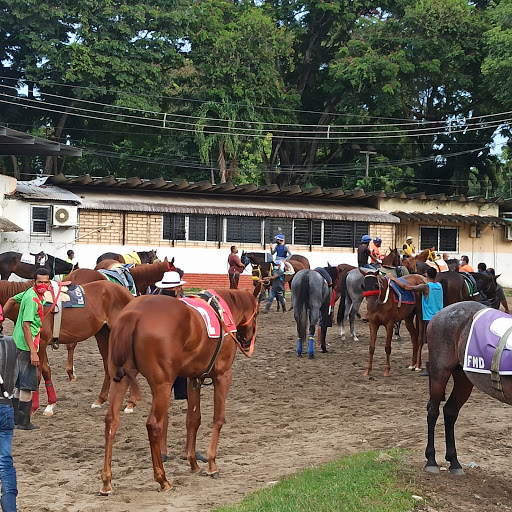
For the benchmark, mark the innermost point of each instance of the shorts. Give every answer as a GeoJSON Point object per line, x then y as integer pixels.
{"type": "Point", "coordinates": [27, 373]}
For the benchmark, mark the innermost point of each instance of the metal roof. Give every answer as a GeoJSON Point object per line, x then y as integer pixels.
{"type": "Point", "coordinates": [13, 142]}
{"type": "Point", "coordinates": [7, 226]}
{"type": "Point", "coordinates": [36, 190]}
{"type": "Point", "coordinates": [450, 218]}
{"type": "Point", "coordinates": [251, 207]}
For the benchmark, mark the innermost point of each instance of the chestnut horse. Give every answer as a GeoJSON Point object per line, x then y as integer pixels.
{"type": "Point", "coordinates": [383, 310]}
{"type": "Point", "coordinates": [447, 336]}
{"type": "Point", "coordinates": [136, 257]}
{"type": "Point", "coordinates": [423, 256]}
{"type": "Point", "coordinates": [163, 338]}
{"type": "Point", "coordinates": [103, 303]}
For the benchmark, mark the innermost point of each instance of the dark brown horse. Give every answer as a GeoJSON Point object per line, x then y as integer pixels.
{"type": "Point", "coordinates": [162, 338]}
{"type": "Point", "coordinates": [383, 310]}
{"type": "Point", "coordinates": [10, 262]}
{"type": "Point", "coordinates": [135, 257]}
{"type": "Point", "coordinates": [447, 335]}
{"type": "Point", "coordinates": [103, 303]}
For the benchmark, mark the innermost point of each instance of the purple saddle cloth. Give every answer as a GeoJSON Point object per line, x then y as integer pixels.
{"type": "Point", "coordinates": [488, 326]}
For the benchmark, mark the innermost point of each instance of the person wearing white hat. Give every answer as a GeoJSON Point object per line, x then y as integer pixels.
{"type": "Point", "coordinates": [409, 251]}
{"type": "Point", "coordinates": [171, 284]}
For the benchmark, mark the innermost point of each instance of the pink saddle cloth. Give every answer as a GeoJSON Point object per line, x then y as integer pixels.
{"type": "Point", "coordinates": [210, 318]}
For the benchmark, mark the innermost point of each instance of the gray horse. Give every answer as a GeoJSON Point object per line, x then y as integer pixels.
{"type": "Point", "coordinates": [311, 298]}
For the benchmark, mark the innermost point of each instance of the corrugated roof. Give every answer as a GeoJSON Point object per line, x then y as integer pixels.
{"type": "Point", "coordinates": [251, 207]}
{"type": "Point", "coordinates": [13, 142]}
{"type": "Point", "coordinates": [450, 218]}
{"type": "Point", "coordinates": [7, 226]}
{"type": "Point", "coordinates": [38, 191]}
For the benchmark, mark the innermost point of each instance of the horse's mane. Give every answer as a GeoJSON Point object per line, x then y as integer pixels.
{"type": "Point", "coordinates": [243, 300]}
{"type": "Point", "coordinates": [9, 289]}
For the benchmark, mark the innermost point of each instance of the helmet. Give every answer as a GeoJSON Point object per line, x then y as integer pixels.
{"type": "Point", "coordinates": [377, 240]}
{"type": "Point", "coordinates": [279, 237]}
{"type": "Point", "coordinates": [366, 239]}
{"type": "Point", "coordinates": [409, 237]}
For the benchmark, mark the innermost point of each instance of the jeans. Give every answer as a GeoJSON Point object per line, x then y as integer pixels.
{"type": "Point", "coordinates": [276, 294]}
{"type": "Point", "coordinates": [7, 471]}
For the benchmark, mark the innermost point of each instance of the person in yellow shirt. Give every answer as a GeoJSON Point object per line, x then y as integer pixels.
{"type": "Point", "coordinates": [409, 251]}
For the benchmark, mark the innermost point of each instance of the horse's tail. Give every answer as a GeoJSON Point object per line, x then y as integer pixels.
{"type": "Point", "coordinates": [302, 306]}
{"type": "Point", "coordinates": [122, 357]}
{"type": "Point", "coordinates": [343, 294]}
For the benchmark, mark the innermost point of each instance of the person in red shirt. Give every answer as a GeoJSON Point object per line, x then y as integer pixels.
{"type": "Point", "coordinates": [236, 267]}
{"type": "Point", "coordinates": [376, 254]}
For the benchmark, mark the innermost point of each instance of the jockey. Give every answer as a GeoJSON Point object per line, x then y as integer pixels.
{"type": "Point", "coordinates": [376, 254]}
{"type": "Point", "coordinates": [282, 253]}
{"type": "Point", "coordinates": [409, 251]}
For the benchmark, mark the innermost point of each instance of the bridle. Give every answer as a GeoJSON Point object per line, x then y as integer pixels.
{"type": "Point", "coordinates": [378, 293]}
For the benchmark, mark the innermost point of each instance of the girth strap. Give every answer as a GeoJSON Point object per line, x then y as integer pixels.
{"type": "Point", "coordinates": [495, 366]}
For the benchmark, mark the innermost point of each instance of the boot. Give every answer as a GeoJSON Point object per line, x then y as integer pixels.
{"type": "Point", "coordinates": [24, 410]}
{"type": "Point", "coordinates": [425, 372]}
{"type": "Point", "coordinates": [15, 406]}
{"type": "Point", "coordinates": [267, 309]}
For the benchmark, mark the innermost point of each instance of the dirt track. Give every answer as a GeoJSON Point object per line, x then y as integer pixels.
{"type": "Point", "coordinates": [283, 414]}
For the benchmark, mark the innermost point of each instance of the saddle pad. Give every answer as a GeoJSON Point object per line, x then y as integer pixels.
{"type": "Point", "coordinates": [325, 275]}
{"type": "Point", "coordinates": [72, 296]}
{"type": "Point", "coordinates": [407, 297]}
{"type": "Point", "coordinates": [393, 271]}
{"type": "Point", "coordinates": [488, 326]}
{"type": "Point", "coordinates": [211, 320]}
{"type": "Point", "coordinates": [132, 258]}
{"type": "Point", "coordinates": [120, 275]}
{"type": "Point", "coordinates": [28, 258]}
{"type": "Point", "coordinates": [227, 316]}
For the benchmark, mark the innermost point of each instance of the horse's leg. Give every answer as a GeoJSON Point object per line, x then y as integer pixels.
{"type": "Point", "coordinates": [356, 304]}
{"type": "Point", "coordinates": [409, 324]}
{"type": "Point", "coordinates": [373, 338]}
{"type": "Point", "coordinates": [46, 372]}
{"type": "Point", "coordinates": [111, 425]}
{"type": "Point", "coordinates": [70, 367]}
{"type": "Point", "coordinates": [389, 337]}
{"type": "Point", "coordinates": [397, 331]}
{"type": "Point", "coordinates": [102, 342]}
{"type": "Point", "coordinates": [343, 314]}
{"type": "Point", "coordinates": [154, 426]}
{"type": "Point", "coordinates": [314, 313]}
{"type": "Point", "coordinates": [462, 388]}
{"type": "Point", "coordinates": [193, 423]}
{"type": "Point", "coordinates": [220, 393]}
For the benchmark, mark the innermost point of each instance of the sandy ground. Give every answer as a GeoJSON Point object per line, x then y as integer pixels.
{"type": "Point", "coordinates": [283, 414]}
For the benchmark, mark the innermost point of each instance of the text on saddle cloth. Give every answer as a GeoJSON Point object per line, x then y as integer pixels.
{"type": "Point", "coordinates": [487, 329]}
{"type": "Point", "coordinates": [209, 315]}
{"type": "Point", "coordinates": [71, 296]}
{"type": "Point", "coordinates": [400, 295]}
{"type": "Point", "coordinates": [33, 259]}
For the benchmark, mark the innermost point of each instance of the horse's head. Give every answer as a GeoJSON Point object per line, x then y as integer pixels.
{"type": "Point", "coordinates": [153, 258]}
{"type": "Point", "coordinates": [372, 282]}
{"type": "Point", "coordinates": [245, 259]}
{"type": "Point", "coordinates": [261, 271]}
{"type": "Point", "coordinates": [392, 259]}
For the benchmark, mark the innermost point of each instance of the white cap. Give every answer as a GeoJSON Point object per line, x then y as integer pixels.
{"type": "Point", "coordinates": [170, 280]}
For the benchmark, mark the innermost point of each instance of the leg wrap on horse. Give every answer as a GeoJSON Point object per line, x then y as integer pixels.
{"type": "Point", "coordinates": [50, 392]}
{"type": "Point", "coordinates": [299, 347]}
{"type": "Point", "coordinates": [35, 400]}
{"type": "Point", "coordinates": [311, 346]}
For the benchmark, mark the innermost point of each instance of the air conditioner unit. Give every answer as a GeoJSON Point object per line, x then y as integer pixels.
{"type": "Point", "coordinates": [508, 232]}
{"type": "Point", "coordinates": [65, 216]}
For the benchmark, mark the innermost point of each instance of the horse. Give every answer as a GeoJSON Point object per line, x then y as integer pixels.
{"type": "Point", "coordinates": [162, 338]}
{"type": "Point", "coordinates": [448, 335]}
{"type": "Point", "coordinates": [383, 310]}
{"type": "Point", "coordinates": [311, 299]}
{"type": "Point", "coordinates": [135, 257]}
{"type": "Point", "coordinates": [11, 262]}
{"type": "Point", "coordinates": [103, 303]}
{"type": "Point", "coordinates": [423, 256]}
{"type": "Point", "coordinates": [350, 286]}
{"type": "Point", "coordinates": [144, 277]}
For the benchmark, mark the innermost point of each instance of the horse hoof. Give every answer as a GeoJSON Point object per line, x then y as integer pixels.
{"type": "Point", "coordinates": [398, 338]}
{"type": "Point", "coordinates": [432, 470]}
{"type": "Point", "coordinates": [417, 369]}
{"type": "Point", "coordinates": [49, 410]}
{"type": "Point", "coordinates": [128, 410]}
{"type": "Point", "coordinates": [456, 471]}
{"type": "Point", "coordinates": [95, 406]}
{"type": "Point", "coordinates": [106, 493]}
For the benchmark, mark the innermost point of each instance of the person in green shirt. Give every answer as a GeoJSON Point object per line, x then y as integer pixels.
{"type": "Point", "coordinates": [26, 336]}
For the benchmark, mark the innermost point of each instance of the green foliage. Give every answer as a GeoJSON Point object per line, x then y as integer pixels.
{"type": "Point", "coordinates": [371, 481]}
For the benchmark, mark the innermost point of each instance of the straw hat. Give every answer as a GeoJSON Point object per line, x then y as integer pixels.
{"type": "Point", "coordinates": [170, 280]}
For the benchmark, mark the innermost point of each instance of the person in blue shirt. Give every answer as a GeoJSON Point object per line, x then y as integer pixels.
{"type": "Point", "coordinates": [431, 300]}
{"type": "Point", "coordinates": [282, 252]}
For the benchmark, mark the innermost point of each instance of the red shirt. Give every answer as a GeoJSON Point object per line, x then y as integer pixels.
{"type": "Point", "coordinates": [235, 265]}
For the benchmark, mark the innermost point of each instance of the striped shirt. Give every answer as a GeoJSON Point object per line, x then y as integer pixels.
{"type": "Point", "coordinates": [8, 356]}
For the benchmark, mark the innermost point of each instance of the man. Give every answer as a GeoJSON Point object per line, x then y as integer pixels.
{"type": "Point", "coordinates": [8, 355]}
{"type": "Point", "coordinates": [363, 253]}
{"type": "Point", "coordinates": [431, 300]}
{"type": "Point", "coordinates": [500, 294]}
{"type": "Point", "coordinates": [376, 254]}
{"type": "Point", "coordinates": [236, 267]}
{"type": "Point", "coordinates": [482, 268]}
{"type": "Point", "coordinates": [409, 251]}
{"type": "Point", "coordinates": [464, 265]}
{"type": "Point", "coordinates": [172, 286]}
{"type": "Point", "coordinates": [276, 286]}
{"type": "Point", "coordinates": [70, 259]}
{"type": "Point", "coordinates": [26, 336]}
{"type": "Point", "coordinates": [282, 252]}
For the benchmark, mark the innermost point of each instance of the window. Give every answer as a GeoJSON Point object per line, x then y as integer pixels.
{"type": "Point", "coordinates": [307, 232]}
{"type": "Point", "coordinates": [41, 220]}
{"type": "Point", "coordinates": [243, 230]}
{"type": "Point", "coordinates": [173, 226]}
{"type": "Point", "coordinates": [275, 226]}
{"type": "Point", "coordinates": [196, 228]}
{"type": "Point", "coordinates": [443, 239]}
{"type": "Point", "coordinates": [339, 233]}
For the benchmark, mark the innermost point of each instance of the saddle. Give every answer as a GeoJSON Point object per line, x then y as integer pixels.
{"type": "Point", "coordinates": [400, 295]}
{"type": "Point", "coordinates": [470, 283]}
{"type": "Point", "coordinates": [132, 258]}
{"type": "Point", "coordinates": [394, 271]}
{"type": "Point", "coordinates": [121, 274]}
{"type": "Point", "coordinates": [34, 259]}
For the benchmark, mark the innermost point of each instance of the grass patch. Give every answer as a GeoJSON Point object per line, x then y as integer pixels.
{"type": "Point", "coordinates": [370, 481]}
